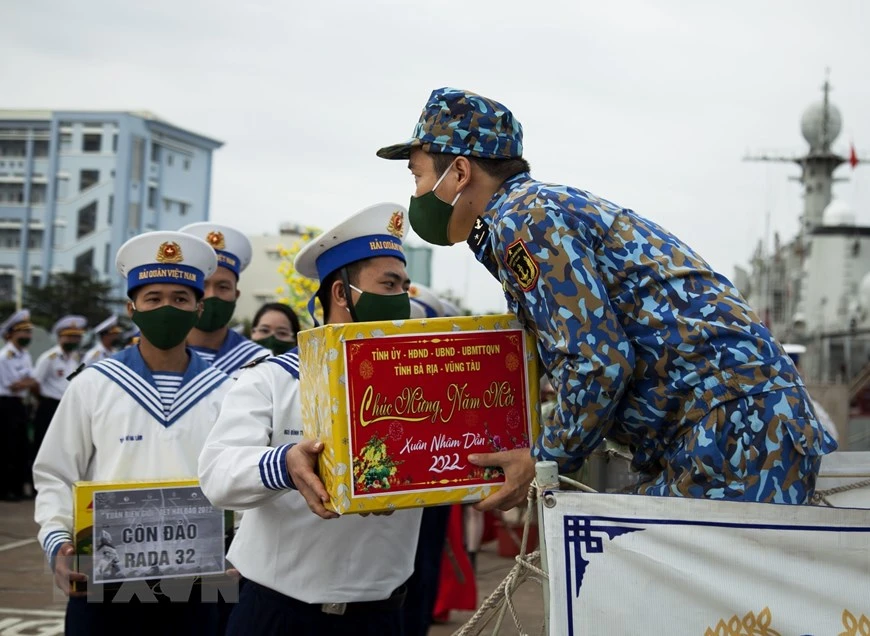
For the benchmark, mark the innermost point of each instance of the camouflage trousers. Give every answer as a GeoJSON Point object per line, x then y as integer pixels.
{"type": "Point", "coordinates": [765, 447]}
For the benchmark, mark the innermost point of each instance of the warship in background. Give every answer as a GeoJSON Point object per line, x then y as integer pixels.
{"type": "Point", "coordinates": [813, 292]}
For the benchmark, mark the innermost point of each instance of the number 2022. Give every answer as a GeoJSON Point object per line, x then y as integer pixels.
{"type": "Point", "coordinates": [443, 463]}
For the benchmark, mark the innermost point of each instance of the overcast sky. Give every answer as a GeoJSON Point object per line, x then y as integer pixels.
{"type": "Point", "coordinates": [649, 104]}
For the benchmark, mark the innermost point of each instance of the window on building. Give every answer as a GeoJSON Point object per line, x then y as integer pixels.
{"type": "Point", "coordinates": [92, 142]}
{"type": "Point", "coordinates": [155, 153]}
{"type": "Point", "coordinates": [88, 178]}
{"type": "Point", "coordinates": [115, 143]}
{"type": "Point", "coordinates": [107, 257]}
{"type": "Point", "coordinates": [187, 164]}
{"type": "Point", "coordinates": [183, 208]}
{"type": "Point", "coordinates": [137, 163]}
{"type": "Point", "coordinates": [84, 263]}
{"type": "Point", "coordinates": [8, 238]}
{"type": "Point", "coordinates": [152, 198]}
{"type": "Point", "coordinates": [167, 205]}
{"type": "Point", "coordinates": [133, 217]}
{"type": "Point", "coordinates": [35, 279]}
{"type": "Point", "coordinates": [40, 148]}
{"type": "Point", "coordinates": [15, 194]}
{"type": "Point", "coordinates": [111, 208]}
{"type": "Point", "coordinates": [65, 145]}
{"type": "Point", "coordinates": [778, 305]}
{"type": "Point", "coordinates": [37, 193]}
{"type": "Point", "coordinates": [7, 287]}
{"type": "Point", "coordinates": [34, 239]}
{"type": "Point", "coordinates": [169, 159]}
{"type": "Point", "coordinates": [87, 220]}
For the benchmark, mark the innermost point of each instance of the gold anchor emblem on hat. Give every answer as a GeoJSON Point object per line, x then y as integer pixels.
{"type": "Point", "coordinates": [169, 252]}
{"type": "Point", "coordinates": [216, 240]}
{"type": "Point", "coordinates": [396, 226]}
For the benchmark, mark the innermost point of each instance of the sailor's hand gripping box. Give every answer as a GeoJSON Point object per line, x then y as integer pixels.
{"type": "Point", "coordinates": [400, 405]}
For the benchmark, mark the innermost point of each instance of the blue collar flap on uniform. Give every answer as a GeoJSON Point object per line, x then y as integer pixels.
{"type": "Point", "coordinates": [288, 361]}
{"type": "Point", "coordinates": [129, 371]}
{"type": "Point", "coordinates": [235, 352]}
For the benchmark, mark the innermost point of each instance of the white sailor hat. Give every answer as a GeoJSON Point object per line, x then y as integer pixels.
{"type": "Point", "coordinates": [233, 248]}
{"type": "Point", "coordinates": [109, 325]}
{"type": "Point", "coordinates": [424, 303]}
{"type": "Point", "coordinates": [166, 257]}
{"type": "Point", "coordinates": [450, 309]}
{"type": "Point", "coordinates": [70, 326]}
{"type": "Point", "coordinates": [794, 351]}
{"type": "Point", "coordinates": [794, 348]}
{"type": "Point", "coordinates": [19, 321]}
{"type": "Point", "coordinates": [375, 231]}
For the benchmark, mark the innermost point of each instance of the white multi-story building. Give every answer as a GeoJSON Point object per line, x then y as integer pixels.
{"type": "Point", "coordinates": [74, 185]}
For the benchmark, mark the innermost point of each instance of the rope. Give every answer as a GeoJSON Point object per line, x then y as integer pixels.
{"type": "Point", "coordinates": [577, 484]}
{"type": "Point", "coordinates": [527, 566]}
{"type": "Point", "coordinates": [821, 496]}
{"type": "Point", "coordinates": [501, 599]}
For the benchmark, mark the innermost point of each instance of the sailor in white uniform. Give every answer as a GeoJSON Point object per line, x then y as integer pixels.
{"type": "Point", "coordinates": [212, 338]}
{"type": "Point", "coordinates": [53, 368]}
{"type": "Point", "coordinates": [109, 339]}
{"type": "Point", "coordinates": [303, 573]}
{"type": "Point", "coordinates": [16, 380]}
{"type": "Point", "coordinates": [142, 414]}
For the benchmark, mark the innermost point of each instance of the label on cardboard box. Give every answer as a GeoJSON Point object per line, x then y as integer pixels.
{"type": "Point", "coordinates": [400, 406]}
{"type": "Point", "coordinates": [127, 531]}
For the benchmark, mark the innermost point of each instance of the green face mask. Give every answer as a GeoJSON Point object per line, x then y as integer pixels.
{"type": "Point", "coordinates": [276, 346]}
{"type": "Point", "coordinates": [216, 314]}
{"type": "Point", "coordinates": [23, 342]}
{"type": "Point", "coordinates": [372, 307]}
{"type": "Point", "coordinates": [165, 327]}
{"type": "Point", "coordinates": [430, 216]}
{"type": "Point", "coordinates": [69, 347]}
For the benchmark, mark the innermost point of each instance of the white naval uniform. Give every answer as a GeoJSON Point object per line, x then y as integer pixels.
{"type": "Point", "coordinates": [235, 352]}
{"type": "Point", "coordinates": [15, 365]}
{"type": "Point", "coordinates": [97, 353]}
{"type": "Point", "coordinates": [111, 425]}
{"type": "Point", "coordinates": [52, 369]}
{"type": "Point", "coordinates": [280, 543]}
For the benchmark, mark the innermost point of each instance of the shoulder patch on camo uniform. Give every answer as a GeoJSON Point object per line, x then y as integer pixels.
{"type": "Point", "coordinates": [520, 261]}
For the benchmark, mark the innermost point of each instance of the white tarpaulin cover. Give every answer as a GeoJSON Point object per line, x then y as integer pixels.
{"type": "Point", "coordinates": [630, 564]}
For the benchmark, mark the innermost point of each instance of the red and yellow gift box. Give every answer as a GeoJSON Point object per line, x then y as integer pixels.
{"type": "Point", "coordinates": [400, 405]}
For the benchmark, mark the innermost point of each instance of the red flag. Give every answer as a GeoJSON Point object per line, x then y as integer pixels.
{"type": "Point", "coordinates": [853, 156]}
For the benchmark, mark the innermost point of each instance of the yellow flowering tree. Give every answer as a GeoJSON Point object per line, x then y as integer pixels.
{"type": "Point", "coordinates": [297, 289]}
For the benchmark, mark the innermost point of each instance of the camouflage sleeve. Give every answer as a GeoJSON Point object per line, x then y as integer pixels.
{"type": "Point", "coordinates": [548, 266]}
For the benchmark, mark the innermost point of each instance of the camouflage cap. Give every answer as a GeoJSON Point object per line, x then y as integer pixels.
{"type": "Point", "coordinates": [456, 122]}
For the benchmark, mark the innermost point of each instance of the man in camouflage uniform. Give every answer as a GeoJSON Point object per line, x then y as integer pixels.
{"type": "Point", "coordinates": [644, 342]}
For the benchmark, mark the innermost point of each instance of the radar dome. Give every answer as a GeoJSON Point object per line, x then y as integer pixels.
{"type": "Point", "coordinates": [813, 125]}
{"type": "Point", "coordinates": [838, 213]}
